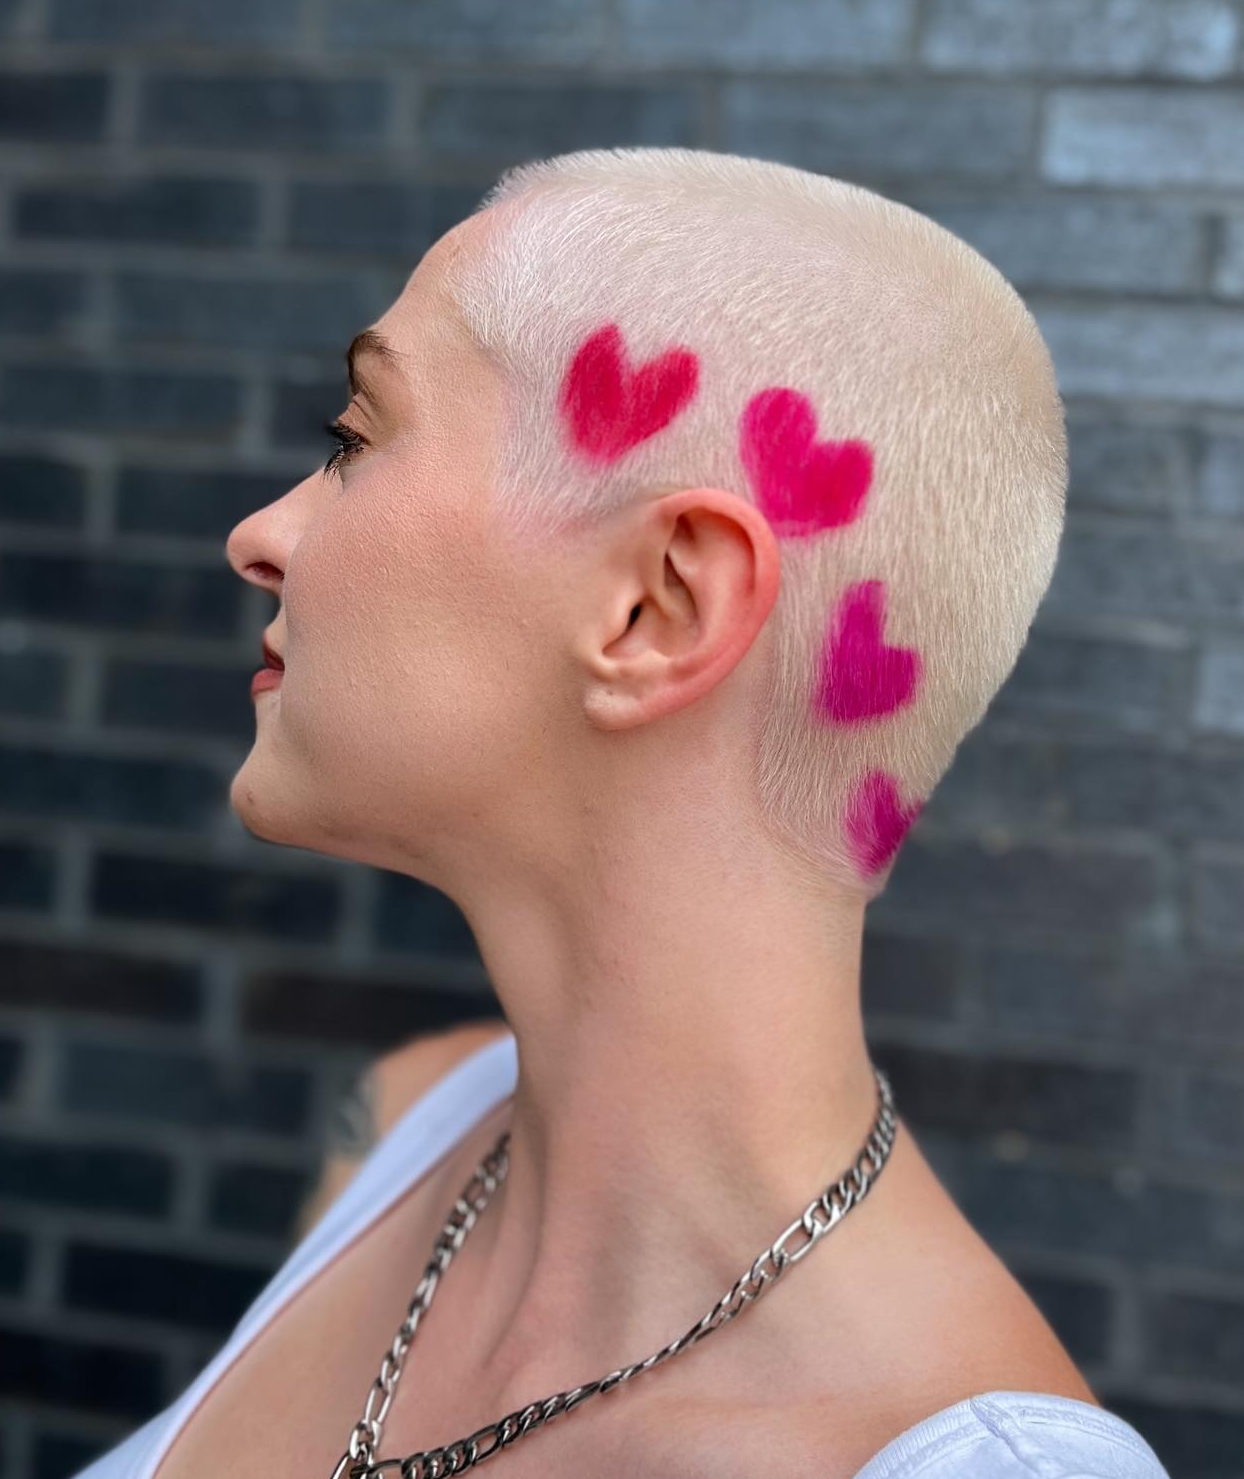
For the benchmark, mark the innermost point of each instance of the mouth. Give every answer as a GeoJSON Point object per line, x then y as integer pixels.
{"type": "Point", "coordinates": [273, 659]}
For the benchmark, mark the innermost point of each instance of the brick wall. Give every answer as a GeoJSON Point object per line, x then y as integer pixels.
{"type": "Point", "coordinates": [199, 204]}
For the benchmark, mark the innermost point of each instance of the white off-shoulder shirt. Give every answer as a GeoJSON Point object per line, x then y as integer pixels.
{"type": "Point", "coordinates": [995, 1435]}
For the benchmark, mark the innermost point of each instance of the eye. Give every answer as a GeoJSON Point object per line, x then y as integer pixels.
{"type": "Point", "coordinates": [348, 443]}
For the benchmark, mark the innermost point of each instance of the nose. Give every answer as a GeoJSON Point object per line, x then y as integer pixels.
{"type": "Point", "coordinates": [258, 547]}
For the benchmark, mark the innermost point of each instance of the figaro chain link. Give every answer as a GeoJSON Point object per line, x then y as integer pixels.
{"type": "Point", "coordinates": [821, 1214]}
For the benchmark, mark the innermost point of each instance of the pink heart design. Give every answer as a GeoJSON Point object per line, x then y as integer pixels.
{"type": "Point", "coordinates": [609, 407]}
{"type": "Point", "coordinates": [876, 822]}
{"type": "Point", "coordinates": [802, 486]}
{"type": "Point", "coordinates": [860, 677]}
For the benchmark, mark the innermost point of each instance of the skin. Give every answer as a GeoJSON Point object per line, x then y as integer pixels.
{"type": "Point", "coordinates": [554, 736]}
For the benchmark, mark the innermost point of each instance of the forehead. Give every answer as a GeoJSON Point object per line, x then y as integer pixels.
{"type": "Point", "coordinates": [423, 324]}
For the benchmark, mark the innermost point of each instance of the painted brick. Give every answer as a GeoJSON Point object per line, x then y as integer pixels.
{"type": "Point", "coordinates": [1161, 351]}
{"type": "Point", "coordinates": [554, 31]}
{"type": "Point", "coordinates": [856, 128]}
{"type": "Point", "coordinates": [511, 121]}
{"type": "Point", "coordinates": [1080, 242]}
{"type": "Point", "coordinates": [1218, 706]}
{"type": "Point", "coordinates": [183, 22]}
{"type": "Point", "coordinates": [165, 209]}
{"type": "Point", "coordinates": [1108, 38]}
{"type": "Point", "coordinates": [288, 112]}
{"type": "Point", "coordinates": [1147, 137]}
{"type": "Point", "coordinates": [833, 35]}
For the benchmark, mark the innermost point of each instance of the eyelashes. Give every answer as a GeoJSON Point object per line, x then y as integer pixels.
{"type": "Point", "coordinates": [348, 443]}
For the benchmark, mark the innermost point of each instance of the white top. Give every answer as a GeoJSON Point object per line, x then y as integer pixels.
{"type": "Point", "coordinates": [996, 1435]}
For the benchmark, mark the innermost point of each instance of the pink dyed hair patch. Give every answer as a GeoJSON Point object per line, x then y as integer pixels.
{"type": "Point", "coordinates": [608, 406]}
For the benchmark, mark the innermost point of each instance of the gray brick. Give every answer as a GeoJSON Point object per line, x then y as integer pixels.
{"type": "Point", "coordinates": [123, 790]}
{"type": "Point", "coordinates": [553, 31]}
{"type": "Point", "coordinates": [1117, 893]}
{"type": "Point", "coordinates": [412, 916]}
{"type": "Point", "coordinates": [1191, 1335]}
{"type": "Point", "coordinates": [1218, 706]}
{"type": "Point", "coordinates": [826, 34]}
{"type": "Point", "coordinates": [913, 978]}
{"type": "Point", "coordinates": [1144, 136]}
{"type": "Point", "coordinates": [1158, 350]}
{"type": "Point", "coordinates": [1206, 1114]}
{"type": "Point", "coordinates": [1229, 268]}
{"type": "Point", "coordinates": [293, 1004]}
{"type": "Point", "coordinates": [184, 22]}
{"type": "Point", "coordinates": [206, 896]}
{"type": "Point", "coordinates": [195, 503]}
{"type": "Point", "coordinates": [96, 1178]}
{"type": "Point", "coordinates": [1107, 995]}
{"type": "Point", "coordinates": [299, 408]}
{"type": "Point", "coordinates": [1122, 685]}
{"type": "Point", "coordinates": [1140, 1221]}
{"type": "Point", "coordinates": [1109, 38]}
{"type": "Point", "coordinates": [978, 1099]}
{"type": "Point", "coordinates": [971, 129]}
{"type": "Point", "coordinates": [513, 121]}
{"type": "Point", "coordinates": [1006, 780]}
{"type": "Point", "coordinates": [1080, 1311]}
{"type": "Point", "coordinates": [1220, 487]}
{"type": "Point", "coordinates": [110, 1080]}
{"type": "Point", "coordinates": [77, 397]}
{"type": "Point", "coordinates": [63, 979]}
{"type": "Point", "coordinates": [257, 1200]}
{"type": "Point", "coordinates": [1218, 902]}
{"type": "Point", "coordinates": [154, 1284]}
{"type": "Point", "coordinates": [1073, 242]}
{"type": "Point", "coordinates": [1190, 1437]}
{"type": "Point", "coordinates": [41, 490]}
{"type": "Point", "coordinates": [272, 312]}
{"type": "Point", "coordinates": [124, 595]}
{"type": "Point", "coordinates": [1139, 570]}
{"type": "Point", "coordinates": [38, 300]}
{"type": "Point", "coordinates": [168, 209]}
{"type": "Point", "coordinates": [52, 107]}
{"type": "Point", "coordinates": [33, 683]}
{"type": "Point", "coordinates": [273, 112]}
{"type": "Point", "coordinates": [375, 216]}
{"type": "Point", "coordinates": [90, 1375]}
{"type": "Point", "coordinates": [1147, 572]}
{"type": "Point", "coordinates": [180, 697]}
{"type": "Point", "coordinates": [1127, 468]}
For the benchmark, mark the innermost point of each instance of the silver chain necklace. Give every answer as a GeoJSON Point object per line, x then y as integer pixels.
{"type": "Point", "coordinates": [434, 1463]}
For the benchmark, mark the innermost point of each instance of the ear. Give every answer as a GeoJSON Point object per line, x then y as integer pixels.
{"type": "Point", "coordinates": [690, 579]}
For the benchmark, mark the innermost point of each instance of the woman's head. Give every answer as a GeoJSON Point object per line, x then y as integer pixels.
{"type": "Point", "coordinates": [673, 431]}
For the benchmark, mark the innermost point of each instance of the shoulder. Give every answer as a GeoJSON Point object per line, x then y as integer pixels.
{"type": "Point", "coordinates": [378, 1097]}
{"type": "Point", "coordinates": [400, 1076]}
{"type": "Point", "coordinates": [1013, 1435]}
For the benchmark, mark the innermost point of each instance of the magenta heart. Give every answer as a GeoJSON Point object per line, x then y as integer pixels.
{"type": "Point", "coordinates": [802, 486]}
{"type": "Point", "coordinates": [876, 821]}
{"type": "Point", "coordinates": [610, 408]}
{"type": "Point", "coordinates": [859, 676]}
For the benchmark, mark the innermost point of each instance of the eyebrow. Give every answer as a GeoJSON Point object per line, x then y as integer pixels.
{"type": "Point", "coordinates": [370, 341]}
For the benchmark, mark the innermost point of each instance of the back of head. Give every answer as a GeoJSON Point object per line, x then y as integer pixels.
{"type": "Point", "coordinates": [865, 377]}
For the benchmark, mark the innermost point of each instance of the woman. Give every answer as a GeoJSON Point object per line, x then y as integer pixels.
{"type": "Point", "coordinates": [687, 513]}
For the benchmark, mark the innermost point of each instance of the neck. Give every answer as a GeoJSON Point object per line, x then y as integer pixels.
{"type": "Point", "coordinates": [692, 1073]}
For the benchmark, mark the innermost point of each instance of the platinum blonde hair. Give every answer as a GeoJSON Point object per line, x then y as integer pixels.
{"type": "Point", "coordinates": [901, 335]}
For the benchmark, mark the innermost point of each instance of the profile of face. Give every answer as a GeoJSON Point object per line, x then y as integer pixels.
{"type": "Point", "coordinates": [416, 686]}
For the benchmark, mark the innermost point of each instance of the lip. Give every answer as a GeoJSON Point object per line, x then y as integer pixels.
{"type": "Point", "coordinates": [266, 678]}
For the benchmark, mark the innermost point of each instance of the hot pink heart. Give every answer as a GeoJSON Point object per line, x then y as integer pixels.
{"type": "Point", "coordinates": [802, 486]}
{"type": "Point", "coordinates": [876, 821]}
{"type": "Point", "coordinates": [859, 676]}
{"type": "Point", "coordinates": [609, 408]}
